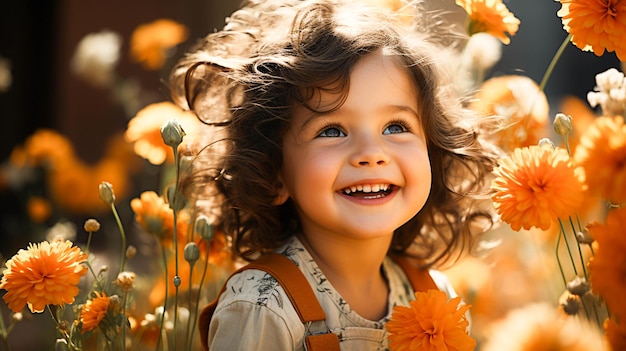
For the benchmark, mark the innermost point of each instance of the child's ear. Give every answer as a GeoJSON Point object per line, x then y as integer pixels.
{"type": "Point", "coordinates": [281, 191]}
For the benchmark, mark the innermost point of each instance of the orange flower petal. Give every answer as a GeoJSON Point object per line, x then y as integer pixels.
{"type": "Point", "coordinates": [596, 25]}
{"type": "Point", "coordinates": [490, 16]}
{"type": "Point", "coordinates": [431, 322]}
{"type": "Point", "coordinates": [535, 186]}
{"type": "Point", "coordinates": [45, 274]}
{"type": "Point", "coordinates": [93, 311]}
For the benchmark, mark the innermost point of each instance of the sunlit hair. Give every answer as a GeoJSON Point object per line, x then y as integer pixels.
{"type": "Point", "coordinates": [245, 80]}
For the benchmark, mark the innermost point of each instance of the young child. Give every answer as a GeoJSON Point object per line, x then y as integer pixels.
{"type": "Point", "coordinates": [336, 144]}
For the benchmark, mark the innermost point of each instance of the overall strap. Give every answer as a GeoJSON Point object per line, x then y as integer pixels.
{"type": "Point", "coordinates": [419, 277]}
{"type": "Point", "coordinates": [297, 289]}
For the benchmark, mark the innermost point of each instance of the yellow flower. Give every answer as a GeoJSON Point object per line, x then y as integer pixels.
{"type": "Point", "coordinates": [539, 327]}
{"type": "Point", "coordinates": [535, 186]}
{"type": "Point", "coordinates": [144, 130]}
{"type": "Point", "coordinates": [607, 268]}
{"type": "Point", "coordinates": [596, 25]}
{"type": "Point", "coordinates": [523, 107]}
{"type": "Point", "coordinates": [430, 323]}
{"type": "Point", "coordinates": [45, 274]}
{"type": "Point", "coordinates": [150, 42]}
{"type": "Point", "coordinates": [153, 214]}
{"type": "Point", "coordinates": [94, 311]}
{"type": "Point", "coordinates": [490, 16]}
{"type": "Point", "coordinates": [602, 152]}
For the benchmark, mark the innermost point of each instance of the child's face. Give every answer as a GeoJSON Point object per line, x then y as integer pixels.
{"type": "Point", "coordinates": [362, 170]}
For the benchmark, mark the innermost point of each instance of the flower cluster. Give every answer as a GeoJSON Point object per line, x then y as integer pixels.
{"type": "Point", "coordinates": [140, 303]}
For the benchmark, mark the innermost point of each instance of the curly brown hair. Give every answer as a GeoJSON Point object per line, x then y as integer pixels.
{"type": "Point", "coordinates": [245, 80]}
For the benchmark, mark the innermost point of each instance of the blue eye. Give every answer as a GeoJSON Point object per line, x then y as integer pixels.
{"type": "Point", "coordinates": [395, 128]}
{"type": "Point", "coordinates": [331, 132]}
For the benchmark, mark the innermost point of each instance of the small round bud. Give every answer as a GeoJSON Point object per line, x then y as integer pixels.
{"type": "Point", "coordinates": [562, 124]}
{"type": "Point", "coordinates": [17, 317]}
{"type": "Point", "coordinates": [107, 195]}
{"type": "Point", "coordinates": [175, 198]}
{"type": "Point", "coordinates": [92, 225]}
{"type": "Point", "coordinates": [126, 281]}
{"type": "Point", "coordinates": [191, 253]}
{"type": "Point", "coordinates": [571, 305]}
{"type": "Point", "coordinates": [204, 228]}
{"type": "Point", "coordinates": [131, 251]}
{"type": "Point", "coordinates": [546, 144]}
{"type": "Point", "coordinates": [584, 237]}
{"type": "Point", "coordinates": [177, 281]}
{"type": "Point", "coordinates": [578, 286]}
{"type": "Point", "coordinates": [172, 133]}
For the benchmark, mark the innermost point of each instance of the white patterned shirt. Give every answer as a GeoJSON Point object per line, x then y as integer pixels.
{"type": "Point", "coordinates": [255, 313]}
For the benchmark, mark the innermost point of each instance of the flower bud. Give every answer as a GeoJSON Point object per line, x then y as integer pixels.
{"type": "Point", "coordinates": [177, 281]}
{"type": "Point", "coordinates": [172, 133]}
{"type": "Point", "coordinates": [92, 225]}
{"type": "Point", "coordinates": [106, 193]}
{"type": "Point", "coordinates": [191, 253]}
{"type": "Point", "coordinates": [126, 281]}
{"type": "Point", "coordinates": [131, 251]}
{"type": "Point", "coordinates": [571, 305]}
{"type": "Point", "coordinates": [175, 198]}
{"type": "Point", "coordinates": [578, 286]}
{"type": "Point", "coordinates": [204, 228]}
{"type": "Point", "coordinates": [546, 144]}
{"type": "Point", "coordinates": [584, 237]}
{"type": "Point", "coordinates": [563, 124]}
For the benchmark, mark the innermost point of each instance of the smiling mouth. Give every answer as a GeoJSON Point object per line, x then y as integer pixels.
{"type": "Point", "coordinates": [369, 191]}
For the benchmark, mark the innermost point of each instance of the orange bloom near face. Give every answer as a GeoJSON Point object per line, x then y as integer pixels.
{"type": "Point", "coordinates": [535, 186]}
{"type": "Point", "coordinates": [431, 322]}
{"type": "Point", "coordinates": [45, 274]}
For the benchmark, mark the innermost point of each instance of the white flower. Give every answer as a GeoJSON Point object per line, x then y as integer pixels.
{"type": "Point", "coordinates": [96, 56]}
{"type": "Point", "coordinates": [6, 79]}
{"type": "Point", "coordinates": [609, 93]}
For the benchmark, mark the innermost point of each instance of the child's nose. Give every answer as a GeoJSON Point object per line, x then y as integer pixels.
{"type": "Point", "coordinates": [369, 152]}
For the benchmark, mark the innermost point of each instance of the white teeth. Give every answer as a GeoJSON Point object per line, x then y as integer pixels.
{"type": "Point", "coordinates": [366, 188]}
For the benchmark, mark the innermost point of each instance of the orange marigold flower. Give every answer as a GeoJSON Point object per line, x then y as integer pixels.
{"type": "Point", "coordinates": [535, 186]}
{"type": "Point", "coordinates": [144, 130]}
{"type": "Point", "coordinates": [607, 268]}
{"type": "Point", "coordinates": [93, 311]}
{"type": "Point", "coordinates": [431, 322]}
{"type": "Point", "coordinates": [596, 25]}
{"type": "Point", "coordinates": [153, 214]}
{"type": "Point", "coordinates": [522, 106]}
{"type": "Point", "coordinates": [490, 16]}
{"type": "Point", "coordinates": [615, 334]}
{"type": "Point", "coordinates": [45, 274]}
{"type": "Point", "coordinates": [150, 42]}
{"type": "Point", "coordinates": [602, 152]}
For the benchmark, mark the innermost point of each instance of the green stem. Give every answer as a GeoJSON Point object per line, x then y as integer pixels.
{"type": "Point", "coordinates": [552, 64]}
{"type": "Point", "coordinates": [123, 236]}
{"type": "Point", "coordinates": [167, 283]}
{"type": "Point", "coordinates": [558, 258]}
{"type": "Point", "coordinates": [190, 286]}
{"type": "Point", "coordinates": [195, 319]}
{"type": "Point", "coordinates": [580, 251]}
{"type": "Point", "coordinates": [175, 210]}
{"type": "Point", "coordinates": [569, 250]}
{"type": "Point", "coordinates": [88, 243]}
{"type": "Point", "coordinates": [124, 303]}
